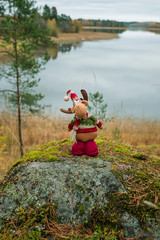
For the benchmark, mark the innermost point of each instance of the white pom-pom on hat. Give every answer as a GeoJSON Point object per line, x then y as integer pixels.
{"type": "Point", "coordinates": [73, 96]}
{"type": "Point", "coordinates": [66, 98]}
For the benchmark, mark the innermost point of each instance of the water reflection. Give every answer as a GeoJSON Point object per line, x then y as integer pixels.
{"type": "Point", "coordinates": [118, 31]}
{"type": "Point", "coordinates": [156, 31]}
{"type": "Point", "coordinates": [60, 48]}
{"type": "Point", "coordinates": [63, 48]}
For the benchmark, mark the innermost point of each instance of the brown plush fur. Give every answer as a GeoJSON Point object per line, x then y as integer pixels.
{"type": "Point", "coordinates": [80, 110]}
{"type": "Point", "coordinates": [85, 137]}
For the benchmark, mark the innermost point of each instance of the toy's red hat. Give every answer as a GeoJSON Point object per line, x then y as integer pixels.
{"type": "Point", "coordinates": [73, 96]}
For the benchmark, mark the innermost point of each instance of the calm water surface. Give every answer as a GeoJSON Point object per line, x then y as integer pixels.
{"type": "Point", "coordinates": [125, 70]}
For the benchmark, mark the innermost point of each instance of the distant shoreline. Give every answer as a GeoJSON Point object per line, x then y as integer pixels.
{"type": "Point", "coordinates": [84, 36]}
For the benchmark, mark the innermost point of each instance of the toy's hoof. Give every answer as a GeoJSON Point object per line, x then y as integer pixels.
{"type": "Point", "coordinates": [91, 148]}
{"type": "Point", "coordinates": [78, 148]}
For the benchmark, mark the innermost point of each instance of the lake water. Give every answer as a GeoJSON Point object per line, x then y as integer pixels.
{"type": "Point", "coordinates": [125, 70]}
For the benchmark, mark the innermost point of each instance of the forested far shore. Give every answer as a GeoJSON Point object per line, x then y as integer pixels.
{"type": "Point", "coordinates": [56, 24]}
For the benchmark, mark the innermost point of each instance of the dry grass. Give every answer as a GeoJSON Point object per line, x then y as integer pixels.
{"type": "Point", "coordinates": [38, 130]}
{"type": "Point", "coordinates": [133, 131]}
{"type": "Point", "coordinates": [84, 36]}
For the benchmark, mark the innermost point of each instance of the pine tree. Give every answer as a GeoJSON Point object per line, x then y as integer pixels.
{"type": "Point", "coordinates": [46, 12]}
{"type": "Point", "coordinates": [21, 37]}
{"type": "Point", "coordinates": [54, 13]}
{"type": "Point", "coordinates": [97, 107]}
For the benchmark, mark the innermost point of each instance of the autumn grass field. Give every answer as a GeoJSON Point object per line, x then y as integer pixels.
{"type": "Point", "coordinates": [37, 130]}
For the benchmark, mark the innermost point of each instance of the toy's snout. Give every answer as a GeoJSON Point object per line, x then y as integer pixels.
{"type": "Point", "coordinates": [80, 110]}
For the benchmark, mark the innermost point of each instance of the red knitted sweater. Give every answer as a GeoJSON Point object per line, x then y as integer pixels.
{"type": "Point", "coordinates": [84, 125]}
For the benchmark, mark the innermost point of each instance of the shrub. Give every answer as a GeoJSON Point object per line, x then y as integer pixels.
{"type": "Point", "coordinates": [76, 26]}
{"type": "Point", "coordinates": [52, 28]}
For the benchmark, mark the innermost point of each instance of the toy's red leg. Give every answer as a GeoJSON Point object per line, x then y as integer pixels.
{"type": "Point", "coordinates": [78, 148]}
{"type": "Point", "coordinates": [91, 148]}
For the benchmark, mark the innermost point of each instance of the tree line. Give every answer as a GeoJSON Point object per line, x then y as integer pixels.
{"type": "Point", "coordinates": [62, 23]}
{"type": "Point", "coordinates": [101, 23]}
{"type": "Point", "coordinates": [58, 23]}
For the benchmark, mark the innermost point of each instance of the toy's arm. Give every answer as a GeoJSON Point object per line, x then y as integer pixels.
{"type": "Point", "coordinates": [70, 127]}
{"type": "Point", "coordinates": [99, 124]}
{"type": "Point", "coordinates": [71, 124]}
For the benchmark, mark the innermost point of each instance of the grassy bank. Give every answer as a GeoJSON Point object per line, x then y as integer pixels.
{"type": "Point", "coordinates": [84, 36]}
{"type": "Point", "coordinates": [4, 47]}
{"type": "Point", "coordinates": [38, 130]}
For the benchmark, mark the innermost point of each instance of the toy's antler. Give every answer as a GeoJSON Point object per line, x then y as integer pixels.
{"type": "Point", "coordinates": [84, 94]}
{"type": "Point", "coordinates": [69, 111]}
{"type": "Point", "coordinates": [85, 97]}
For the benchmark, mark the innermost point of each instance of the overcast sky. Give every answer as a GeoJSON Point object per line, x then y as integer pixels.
{"type": "Point", "coordinates": [121, 10]}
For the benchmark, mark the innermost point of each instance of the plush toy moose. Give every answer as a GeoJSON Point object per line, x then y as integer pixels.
{"type": "Point", "coordinates": [84, 126]}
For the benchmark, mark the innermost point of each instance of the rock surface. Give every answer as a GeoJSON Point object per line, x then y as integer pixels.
{"type": "Point", "coordinates": [77, 186]}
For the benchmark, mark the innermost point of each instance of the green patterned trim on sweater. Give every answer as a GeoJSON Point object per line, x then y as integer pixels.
{"type": "Point", "coordinates": [93, 118]}
{"type": "Point", "coordinates": [87, 122]}
{"type": "Point", "coordinates": [73, 121]}
{"type": "Point", "coordinates": [90, 121]}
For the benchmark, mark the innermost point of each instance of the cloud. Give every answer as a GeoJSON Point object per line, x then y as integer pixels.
{"type": "Point", "coordinates": [122, 10]}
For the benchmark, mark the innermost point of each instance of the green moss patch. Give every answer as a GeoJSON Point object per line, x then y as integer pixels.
{"type": "Point", "coordinates": [51, 151]}
{"type": "Point", "coordinates": [81, 210]}
{"type": "Point", "coordinates": [58, 150]}
{"type": "Point", "coordinates": [41, 223]}
{"type": "Point", "coordinates": [153, 150]}
{"type": "Point", "coordinates": [29, 223]}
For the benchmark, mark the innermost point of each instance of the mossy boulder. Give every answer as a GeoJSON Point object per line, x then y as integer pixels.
{"type": "Point", "coordinates": [118, 190]}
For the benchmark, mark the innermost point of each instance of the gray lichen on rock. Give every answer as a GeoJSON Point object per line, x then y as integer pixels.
{"type": "Point", "coordinates": [70, 183]}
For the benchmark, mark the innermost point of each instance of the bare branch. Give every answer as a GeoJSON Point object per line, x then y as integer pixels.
{"type": "Point", "coordinates": [6, 90]}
